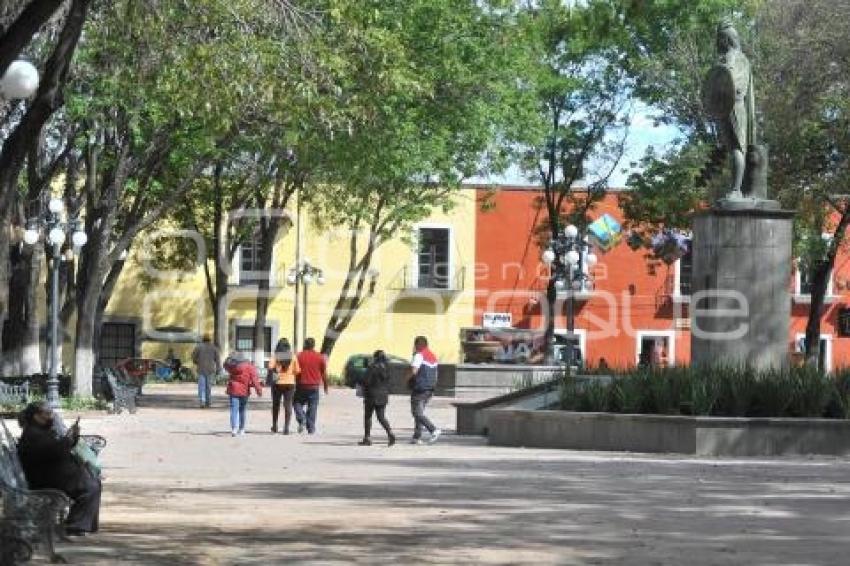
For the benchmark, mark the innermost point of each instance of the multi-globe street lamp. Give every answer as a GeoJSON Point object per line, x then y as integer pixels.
{"type": "Point", "coordinates": [56, 231]}
{"type": "Point", "coordinates": [569, 256]}
{"type": "Point", "coordinates": [303, 275]}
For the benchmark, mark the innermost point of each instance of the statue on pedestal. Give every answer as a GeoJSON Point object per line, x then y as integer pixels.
{"type": "Point", "coordinates": [729, 98]}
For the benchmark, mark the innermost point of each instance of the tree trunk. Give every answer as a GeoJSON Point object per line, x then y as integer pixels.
{"type": "Point", "coordinates": [268, 235]}
{"type": "Point", "coordinates": [4, 277]}
{"type": "Point", "coordinates": [549, 318]}
{"type": "Point", "coordinates": [31, 346]}
{"type": "Point", "coordinates": [820, 284]}
{"type": "Point", "coordinates": [20, 33]}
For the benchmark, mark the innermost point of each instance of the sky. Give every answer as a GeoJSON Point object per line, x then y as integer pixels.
{"type": "Point", "coordinates": [643, 133]}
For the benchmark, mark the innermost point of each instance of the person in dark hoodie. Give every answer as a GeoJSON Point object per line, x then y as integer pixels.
{"type": "Point", "coordinates": [49, 463]}
{"type": "Point", "coordinates": [376, 394]}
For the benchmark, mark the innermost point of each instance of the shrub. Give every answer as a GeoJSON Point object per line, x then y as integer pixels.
{"type": "Point", "coordinates": [732, 391]}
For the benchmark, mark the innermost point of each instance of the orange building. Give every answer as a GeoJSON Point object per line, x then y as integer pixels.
{"type": "Point", "coordinates": [633, 305]}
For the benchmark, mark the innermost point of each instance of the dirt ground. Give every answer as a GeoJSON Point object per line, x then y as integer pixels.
{"type": "Point", "coordinates": [181, 490]}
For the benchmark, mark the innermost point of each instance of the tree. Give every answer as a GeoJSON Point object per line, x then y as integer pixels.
{"type": "Point", "coordinates": [425, 86]}
{"type": "Point", "coordinates": [580, 100]}
{"type": "Point", "coordinates": [25, 134]}
{"type": "Point", "coordinates": [145, 138]}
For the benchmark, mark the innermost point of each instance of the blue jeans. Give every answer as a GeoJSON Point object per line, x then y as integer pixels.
{"type": "Point", "coordinates": [310, 398]}
{"type": "Point", "coordinates": [205, 389]}
{"type": "Point", "coordinates": [238, 412]}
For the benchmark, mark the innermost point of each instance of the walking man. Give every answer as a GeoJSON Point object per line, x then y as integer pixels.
{"type": "Point", "coordinates": [423, 380]}
{"type": "Point", "coordinates": [313, 374]}
{"type": "Point", "coordinates": [208, 362]}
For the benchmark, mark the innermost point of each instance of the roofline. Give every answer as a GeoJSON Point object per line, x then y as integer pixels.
{"type": "Point", "coordinates": [529, 188]}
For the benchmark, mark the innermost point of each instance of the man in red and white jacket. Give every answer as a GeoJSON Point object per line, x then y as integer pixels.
{"type": "Point", "coordinates": [242, 377]}
{"type": "Point", "coordinates": [423, 380]}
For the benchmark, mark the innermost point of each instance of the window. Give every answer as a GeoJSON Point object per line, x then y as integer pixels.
{"type": "Point", "coordinates": [684, 272]}
{"type": "Point", "coordinates": [433, 259]}
{"type": "Point", "coordinates": [245, 339]}
{"type": "Point", "coordinates": [117, 342]}
{"type": "Point", "coordinates": [825, 353]}
{"type": "Point", "coordinates": [804, 281]}
{"type": "Point", "coordinates": [251, 270]}
{"type": "Point", "coordinates": [656, 348]}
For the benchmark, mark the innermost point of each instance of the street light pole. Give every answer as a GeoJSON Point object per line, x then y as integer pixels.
{"type": "Point", "coordinates": [53, 378]}
{"type": "Point", "coordinates": [303, 274]}
{"type": "Point", "coordinates": [57, 231]}
{"type": "Point", "coordinates": [568, 252]}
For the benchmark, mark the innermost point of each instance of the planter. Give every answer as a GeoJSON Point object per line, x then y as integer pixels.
{"type": "Point", "coordinates": [702, 436]}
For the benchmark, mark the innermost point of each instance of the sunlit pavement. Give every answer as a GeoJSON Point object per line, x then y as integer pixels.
{"type": "Point", "coordinates": [181, 490]}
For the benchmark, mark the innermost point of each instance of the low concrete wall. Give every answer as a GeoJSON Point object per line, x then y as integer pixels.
{"type": "Point", "coordinates": [704, 436]}
{"type": "Point", "coordinates": [471, 416]}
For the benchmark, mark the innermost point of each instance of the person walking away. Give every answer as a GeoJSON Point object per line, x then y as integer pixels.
{"type": "Point", "coordinates": [376, 394]}
{"type": "Point", "coordinates": [313, 374]}
{"type": "Point", "coordinates": [423, 380]}
{"type": "Point", "coordinates": [241, 378]}
{"type": "Point", "coordinates": [49, 463]}
{"type": "Point", "coordinates": [207, 360]}
{"type": "Point", "coordinates": [283, 370]}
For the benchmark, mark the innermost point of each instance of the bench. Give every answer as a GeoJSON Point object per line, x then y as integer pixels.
{"type": "Point", "coordinates": [34, 516]}
{"type": "Point", "coordinates": [13, 549]}
{"type": "Point", "coordinates": [116, 388]}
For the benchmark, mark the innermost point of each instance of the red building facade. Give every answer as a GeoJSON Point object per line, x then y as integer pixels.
{"type": "Point", "coordinates": [635, 305]}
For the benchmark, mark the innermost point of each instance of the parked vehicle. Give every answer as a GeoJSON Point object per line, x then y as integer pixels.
{"type": "Point", "coordinates": [355, 367]}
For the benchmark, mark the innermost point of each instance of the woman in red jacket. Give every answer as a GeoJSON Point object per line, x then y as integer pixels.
{"type": "Point", "coordinates": [242, 376]}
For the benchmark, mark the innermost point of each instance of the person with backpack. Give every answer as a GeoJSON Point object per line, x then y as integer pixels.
{"type": "Point", "coordinates": [241, 378]}
{"type": "Point", "coordinates": [375, 386]}
{"type": "Point", "coordinates": [283, 373]}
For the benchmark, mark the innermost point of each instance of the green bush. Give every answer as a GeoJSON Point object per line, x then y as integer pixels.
{"type": "Point", "coordinates": [729, 391]}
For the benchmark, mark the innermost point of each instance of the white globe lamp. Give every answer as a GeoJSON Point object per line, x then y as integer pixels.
{"type": "Point", "coordinates": [19, 81]}
{"type": "Point", "coordinates": [570, 231]}
{"type": "Point", "coordinates": [591, 259]}
{"type": "Point", "coordinates": [573, 257]}
{"type": "Point", "coordinates": [56, 205]}
{"type": "Point", "coordinates": [307, 278]}
{"type": "Point", "coordinates": [548, 256]}
{"type": "Point", "coordinates": [56, 237]}
{"type": "Point", "coordinates": [30, 236]}
{"type": "Point", "coordinates": [79, 239]}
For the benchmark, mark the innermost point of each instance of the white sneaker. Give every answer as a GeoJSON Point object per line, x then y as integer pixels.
{"type": "Point", "coordinates": [434, 436]}
{"type": "Point", "coordinates": [234, 432]}
{"type": "Point", "coordinates": [242, 432]}
{"type": "Point", "coordinates": [415, 441]}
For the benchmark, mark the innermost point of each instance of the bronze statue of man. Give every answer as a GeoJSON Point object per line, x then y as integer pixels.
{"type": "Point", "coordinates": [730, 100]}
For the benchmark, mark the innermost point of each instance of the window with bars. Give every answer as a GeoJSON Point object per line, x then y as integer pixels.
{"type": "Point", "coordinates": [686, 266]}
{"type": "Point", "coordinates": [251, 270]}
{"type": "Point", "coordinates": [433, 257]}
{"type": "Point", "coordinates": [117, 342]}
{"type": "Point", "coordinates": [245, 339]}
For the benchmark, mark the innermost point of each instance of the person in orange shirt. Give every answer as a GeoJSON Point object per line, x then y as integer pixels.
{"type": "Point", "coordinates": [283, 369]}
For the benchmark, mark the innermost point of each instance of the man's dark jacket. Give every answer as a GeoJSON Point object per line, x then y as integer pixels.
{"type": "Point", "coordinates": [48, 461]}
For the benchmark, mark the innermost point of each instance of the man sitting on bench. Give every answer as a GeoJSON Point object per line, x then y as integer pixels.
{"type": "Point", "coordinates": [49, 462]}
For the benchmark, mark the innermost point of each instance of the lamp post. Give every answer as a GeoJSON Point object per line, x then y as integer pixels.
{"type": "Point", "coordinates": [56, 231]}
{"type": "Point", "coordinates": [303, 275]}
{"type": "Point", "coordinates": [567, 255]}
{"type": "Point", "coordinates": [19, 81]}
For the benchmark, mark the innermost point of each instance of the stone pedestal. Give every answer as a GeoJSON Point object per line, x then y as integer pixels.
{"type": "Point", "coordinates": [740, 303]}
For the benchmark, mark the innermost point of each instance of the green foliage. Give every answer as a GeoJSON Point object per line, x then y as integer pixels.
{"type": "Point", "coordinates": [730, 391]}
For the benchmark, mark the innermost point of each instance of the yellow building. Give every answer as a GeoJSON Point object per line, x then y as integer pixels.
{"type": "Point", "coordinates": [423, 284]}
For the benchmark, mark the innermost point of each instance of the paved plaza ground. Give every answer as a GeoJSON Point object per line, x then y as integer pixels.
{"type": "Point", "coordinates": [181, 490]}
